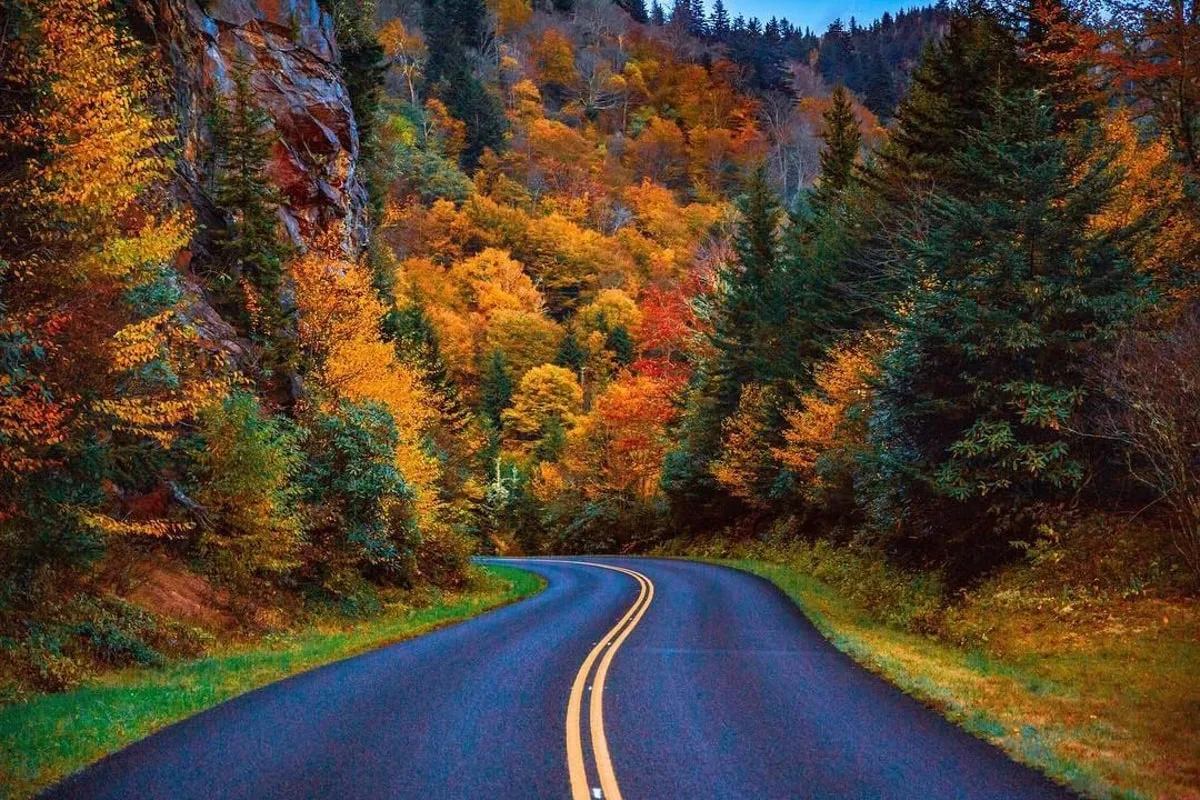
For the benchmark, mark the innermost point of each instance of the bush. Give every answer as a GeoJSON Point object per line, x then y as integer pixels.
{"type": "Point", "coordinates": [443, 555]}
{"type": "Point", "coordinates": [357, 503]}
{"type": "Point", "coordinates": [245, 465]}
{"type": "Point", "coordinates": [1153, 381]}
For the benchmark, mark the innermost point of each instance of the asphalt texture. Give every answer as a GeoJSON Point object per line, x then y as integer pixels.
{"type": "Point", "coordinates": [724, 690]}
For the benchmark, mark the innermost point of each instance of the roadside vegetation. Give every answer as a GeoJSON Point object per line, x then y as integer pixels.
{"type": "Point", "coordinates": [1069, 661]}
{"type": "Point", "coordinates": [917, 302]}
{"type": "Point", "coordinates": [46, 737]}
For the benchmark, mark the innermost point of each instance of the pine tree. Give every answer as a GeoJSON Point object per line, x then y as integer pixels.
{"type": "Point", "coordinates": [451, 27]}
{"type": "Point", "coordinates": [570, 354]}
{"type": "Point", "coordinates": [951, 92]}
{"type": "Point", "coordinates": [657, 15]}
{"type": "Point", "coordinates": [750, 313]}
{"type": "Point", "coordinates": [1012, 292]}
{"type": "Point", "coordinates": [621, 344]}
{"type": "Point", "coordinates": [842, 140]}
{"type": "Point", "coordinates": [681, 14]}
{"type": "Point", "coordinates": [637, 10]}
{"type": "Point", "coordinates": [479, 110]}
{"type": "Point", "coordinates": [718, 22]}
{"type": "Point", "coordinates": [495, 389]}
{"type": "Point", "coordinates": [417, 345]}
{"type": "Point", "coordinates": [880, 91]}
{"type": "Point", "coordinates": [696, 21]}
{"type": "Point", "coordinates": [249, 250]}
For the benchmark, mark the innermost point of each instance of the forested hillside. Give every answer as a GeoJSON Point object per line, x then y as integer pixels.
{"type": "Point", "coordinates": [312, 303]}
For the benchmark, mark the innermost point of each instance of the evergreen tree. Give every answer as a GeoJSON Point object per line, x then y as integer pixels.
{"type": "Point", "coordinates": [495, 389]}
{"type": "Point", "coordinates": [657, 15]}
{"type": "Point", "coordinates": [696, 21]}
{"type": "Point", "coordinates": [451, 27]}
{"type": "Point", "coordinates": [879, 89]}
{"type": "Point", "coordinates": [718, 22]}
{"type": "Point", "coordinates": [637, 10]}
{"type": "Point", "coordinates": [621, 344]}
{"type": "Point", "coordinates": [249, 250]}
{"type": "Point", "coordinates": [751, 309]}
{"type": "Point", "coordinates": [417, 345]}
{"type": "Point", "coordinates": [952, 91]}
{"type": "Point", "coordinates": [842, 140]}
{"type": "Point", "coordinates": [1012, 291]}
{"type": "Point", "coordinates": [570, 354]}
{"type": "Point", "coordinates": [482, 113]}
{"type": "Point", "coordinates": [363, 67]}
{"type": "Point", "coordinates": [681, 14]}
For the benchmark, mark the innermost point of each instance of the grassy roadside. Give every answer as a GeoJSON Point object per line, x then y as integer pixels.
{"type": "Point", "coordinates": [1108, 708]}
{"type": "Point", "coordinates": [50, 736]}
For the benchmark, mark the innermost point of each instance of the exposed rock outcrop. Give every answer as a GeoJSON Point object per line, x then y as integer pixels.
{"type": "Point", "coordinates": [289, 49]}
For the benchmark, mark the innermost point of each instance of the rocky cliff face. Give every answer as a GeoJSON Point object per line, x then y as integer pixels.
{"type": "Point", "coordinates": [289, 49]}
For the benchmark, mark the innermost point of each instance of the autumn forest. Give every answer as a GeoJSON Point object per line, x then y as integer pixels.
{"type": "Point", "coordinates": [301, 308]}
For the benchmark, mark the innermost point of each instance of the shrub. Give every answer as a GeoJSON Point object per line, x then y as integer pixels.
{"type": "Point", "coordinates": [358, 505]}
{"type": "Point", "coordinates": [245, 465]}
{"type": "Point", "coordinates": [1154, 383]}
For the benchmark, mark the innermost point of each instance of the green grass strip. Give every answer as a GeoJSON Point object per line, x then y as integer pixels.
{"type": "Point", "coordinates": [48, 737]}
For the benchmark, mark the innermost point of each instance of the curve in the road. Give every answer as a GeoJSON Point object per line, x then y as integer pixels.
{"type": "Point", "coordinates": [609, 786]}
{"type": "Point", "coordinates": [720, 689]}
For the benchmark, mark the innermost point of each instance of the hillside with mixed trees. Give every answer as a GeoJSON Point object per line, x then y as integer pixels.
{"type": "Point", "coordinates": [577, 277]}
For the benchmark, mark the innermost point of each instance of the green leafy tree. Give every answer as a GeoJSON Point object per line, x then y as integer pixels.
{"type": "Point", "coordinates": [246, 462]}
{"type": "Point", "coordinates": [358, 504]}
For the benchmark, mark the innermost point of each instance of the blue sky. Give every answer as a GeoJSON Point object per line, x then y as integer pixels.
{"type": "Point", "coordinates": [816, 14]}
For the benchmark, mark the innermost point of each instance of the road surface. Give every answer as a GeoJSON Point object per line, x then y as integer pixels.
{"type": "Point", "coordinates": [638, 679]}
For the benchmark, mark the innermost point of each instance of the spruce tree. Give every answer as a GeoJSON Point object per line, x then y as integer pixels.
{"type": "Point", "coordinates": [880, 90]}
{"type": "Point", "coordinates": [621, 344]}
{"type": "Point", "coordinates": [718, 22]}
{"type": "Point", "coordinates": [451, 27]}
{"type": "Point", "coordinates": [249, 250]}
{"type": "Point", "coordinates": [657, 15]}
{"type": "Point", "coordinates": [417, 345]}
{"type": "Point", "coordinates": [747, 329]}
{"type": "Point", "coordinates": [951, 92]}
{"type": "Point", "coordinates": [842, 140]}
{"type": "Point", "coordinates": [697, 24]}
{"type": "Point", "coordinates": [1012, 291]}
{"type": "Point", "coordinates": [637, 10]}
{"type": "Point", "coordinates": [495, 389]}
{"type": "Point", "coordinates": [570, 354]}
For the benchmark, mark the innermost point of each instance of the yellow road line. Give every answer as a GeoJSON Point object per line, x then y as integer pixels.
{"type": "Point", "coordinates": [616, 635]}
{"type": "Point", "coordinates": [608, 779]}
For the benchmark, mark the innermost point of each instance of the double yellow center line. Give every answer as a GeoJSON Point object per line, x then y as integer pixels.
{"type": "Point", "coordinates": [604, 651]}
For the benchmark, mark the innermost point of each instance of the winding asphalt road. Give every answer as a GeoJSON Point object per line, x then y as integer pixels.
{"type": "Point", "coordinates": [643, 679]}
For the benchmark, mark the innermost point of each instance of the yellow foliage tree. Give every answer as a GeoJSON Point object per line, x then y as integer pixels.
{"type": "Point", "coordinates": [1152, 187]}
{"type": "Point", "coordinates": [824, 433]}
{"type": "Point", "coordinates": [612, 308]}
{"type": "Point", "coordinates": [747, 466]}
{"type": "Point", "coordinates": [526, 339]}
{"type": "Point", "coordinates": [339, 332]}
{"type": "Point", "coordinates": [546, 395]}
{"type": "Point", "coordinates": [85, 226]}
